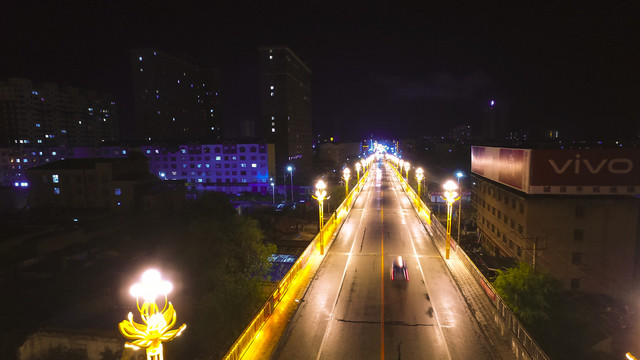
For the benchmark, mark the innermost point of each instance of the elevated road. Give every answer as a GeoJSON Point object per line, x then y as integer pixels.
{"type": "Point", "coordinates": [352, 309]}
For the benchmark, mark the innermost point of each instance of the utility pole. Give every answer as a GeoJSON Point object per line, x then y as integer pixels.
{"type": "Point", "coordinates": [534, 250]}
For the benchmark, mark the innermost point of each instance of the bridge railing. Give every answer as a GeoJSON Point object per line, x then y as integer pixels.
{"type": "Point", "coordinates": [317, 246]}
{"type": "Point", "coordinates": [523, 344]}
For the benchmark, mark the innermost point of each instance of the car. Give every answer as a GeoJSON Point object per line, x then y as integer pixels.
{"type": "Point", "coordinates": [399, 270]}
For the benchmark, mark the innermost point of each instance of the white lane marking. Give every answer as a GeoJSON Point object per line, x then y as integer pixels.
{"type": "Point", "coordinates": [344, 274]}
{"type": "Point", "coordinates": [424, 281]}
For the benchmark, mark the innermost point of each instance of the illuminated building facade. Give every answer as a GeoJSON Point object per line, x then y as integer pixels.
{"type": "Point", "coordinates": [173, 99]}
{"type": "Point", "coordinates": [572, 213]}
{"type": "Point", "coordinates": [45, 115]}
{"type": "Point", "coordinates": [285, 91]}
{"type": "Point", "coordinates": [229, 167]}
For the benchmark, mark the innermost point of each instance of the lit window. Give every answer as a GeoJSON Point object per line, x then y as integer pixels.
{"type": "Point", "coordinates": [254, 165]}
{"type": "Point", "coordinates": [117, 191]}
{"type": "Point", "coordinates": [270, 57]}
{"type": "Point", "coordinates": [54, 153]}
{"type": "Point", "coordinates": [272, 87]}
{"type": "Point", "coordinates": [139, 58]}
{"type": "Point", "coordinates": [55, 178]}
{"type": "Point", "coordinates": [273, 123]}
{"type": "Point", "coordinates": [273, 130]}
{"type": "Point", "coordinates": [37, 125]}
{"type": "Point", "coordinates": [56, 191]}
{"type": "Point", "coordinates": [272, 93]}
{"type": "Point", "coordinates": [273, 118]}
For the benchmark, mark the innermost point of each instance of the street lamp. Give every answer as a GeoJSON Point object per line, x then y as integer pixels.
{"type": "Point", "coordinates": [450, 196]}
{"type": "Point", "coordinates": [400, 166]}
{"type": "Point", "coordinates": [157, 323]}
{"type": "Point", "coordinates": [290, 170]}
{"type": "Point", "coordinates": [358, 167]}
{"type": "Point", "coordinates": [419, 177]}
{"type": "Point", "coordinates": [364, 164]}
{"type": "Point", "coordinates": [459, 174]}
{"type": "Point", "coordinates": [346, 174]}
{"type": "Point", "coordinates": [273, 189]}
{"type": "Point", "coordinates": [321, 195]}
{"type": "Point", "coordinates": [407, 166]}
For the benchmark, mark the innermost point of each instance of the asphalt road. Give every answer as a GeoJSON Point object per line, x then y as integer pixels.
{"type": "Point", "coordinates": [352, 309]}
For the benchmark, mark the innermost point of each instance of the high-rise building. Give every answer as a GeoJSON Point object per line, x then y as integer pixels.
{"type": "Point", "coordinates": [173, 99]}
{"type": "Point", "coordinates": [572, 213]}
{"type": "Point", "coordinates": [45, 115]}
{"type": "Point", "coordinates": [285, 91]}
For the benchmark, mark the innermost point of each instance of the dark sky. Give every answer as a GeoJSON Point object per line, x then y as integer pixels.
{"type": "Point", "coordinates": [398, 68]}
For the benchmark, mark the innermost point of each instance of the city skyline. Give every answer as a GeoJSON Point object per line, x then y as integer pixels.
{"type": "Point", "coordinates": [379, 69]}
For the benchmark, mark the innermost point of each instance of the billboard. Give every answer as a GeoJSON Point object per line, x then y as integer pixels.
{"type": "Point", "coordinates": [507, 166]}
{"type": "Point", "coordinates": [598, 171]}
{"type": "Point", "coordinates": [577, 172]}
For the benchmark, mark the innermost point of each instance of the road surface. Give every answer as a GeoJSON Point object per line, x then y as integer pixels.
{"type": "Point", "coordinates": [352, 309]}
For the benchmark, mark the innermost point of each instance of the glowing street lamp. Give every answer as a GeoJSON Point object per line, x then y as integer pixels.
{"type": "Point", "coordinates": [273, 189]}
{"type": "Point", "coordinates": [321, 195]}
{"type": "Point", "coordinates": [364, 164]}
{"type": "Point", "coordinates": [358, 166]}
{"type": "Point", "coordinates": [157, 323]}
{"type": "Point", "coordinates": [407, 166]}
{"type": "Point", "coordinates": [346, 174]}
{"type": "Point", "coordinates": [459, 174]}
{"type": "Point", "coordinates": [450, 196]}
{"type": "Point", "coordinates": [419, 177]}
{"type": "Point", "coordinates": [400, 166]}
{"type": "Point", "coordinates": [290, 170]}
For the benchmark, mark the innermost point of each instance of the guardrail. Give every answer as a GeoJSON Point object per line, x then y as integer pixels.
{"type": "Point", "coordinates": [320, 241]}
{"type": "Point", "coordinates": [522, 343]}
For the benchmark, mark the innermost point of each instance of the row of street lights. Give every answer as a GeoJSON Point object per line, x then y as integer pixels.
{"type": "Point", "coordinates": [450, 194]}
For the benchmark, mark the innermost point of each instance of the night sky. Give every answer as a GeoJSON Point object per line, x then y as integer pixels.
{"type": "Point", "coordinates": [387, 69]}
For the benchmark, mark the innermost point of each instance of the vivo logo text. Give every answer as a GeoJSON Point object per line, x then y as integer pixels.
{"type": "Point", "coordinates": [613, 166]}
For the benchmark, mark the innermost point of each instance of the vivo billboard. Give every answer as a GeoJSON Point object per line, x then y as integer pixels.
{"type": "Point", "coordinates": [593, 172]}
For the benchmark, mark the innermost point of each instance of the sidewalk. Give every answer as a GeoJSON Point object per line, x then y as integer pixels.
{"type": "Point", "coordinates": [478, 302]}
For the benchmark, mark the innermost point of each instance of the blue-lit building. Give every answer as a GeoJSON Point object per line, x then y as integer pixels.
{"type": "Point", "coordinates": [232, 168]}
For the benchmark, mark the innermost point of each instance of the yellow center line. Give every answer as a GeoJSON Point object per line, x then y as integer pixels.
{"type": "Point", "coordinates": [382, 279]}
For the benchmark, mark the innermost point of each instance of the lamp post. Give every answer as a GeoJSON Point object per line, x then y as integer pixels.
{"type": "Point", "coordinates": [407, 166]}
{"type": "Point", "coordinates": [400, 166]}
{"type": "Point", "coordinates": [290, 169]}
{"type": "Point", "coordinates": [155, 330]}
{"type": "Point", "coordinates": [450, 196]}
{"type": "Point", "coordinates": [419, 177]}
{"type": "Point", "coordinates": [459, 174]}
{"type": "Point", "coordinates": [358, 166]}
{"type": "Point", "coordinates": [273, 189]}
{"type": "Point", "coordinates": [320, 195]}
{"type": "Point", "coordinates": [346, 174]}
{"type": "Point", "coordinates": [364, 164]}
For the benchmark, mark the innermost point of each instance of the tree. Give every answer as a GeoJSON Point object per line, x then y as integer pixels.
{"type": "Point", "coordinates": [529, 294]}
{"type": "Point", "coordinates": [225, 260]}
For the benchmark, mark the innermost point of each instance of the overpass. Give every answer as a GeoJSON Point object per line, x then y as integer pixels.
{"type": "Point", "coordinates": [343, 303]}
